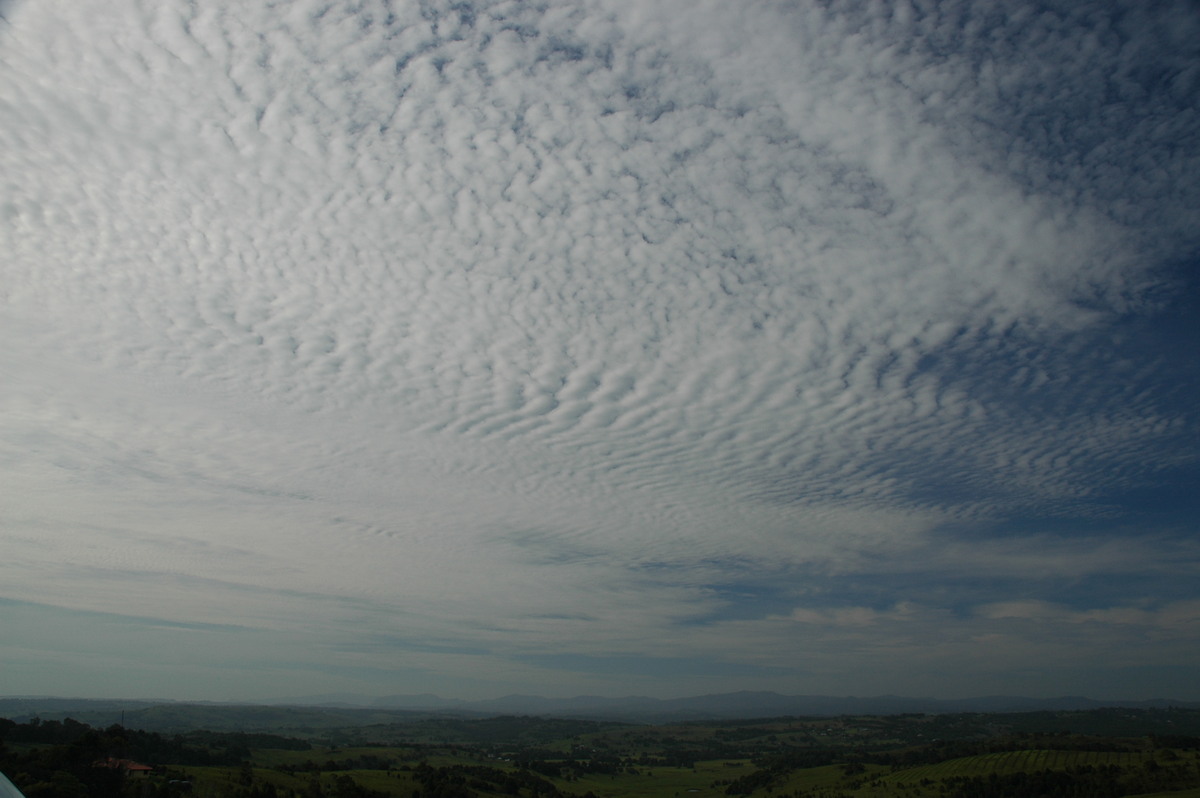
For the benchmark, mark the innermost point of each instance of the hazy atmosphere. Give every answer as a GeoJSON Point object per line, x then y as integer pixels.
{"type": "Point", "coordinates": [599, 347]}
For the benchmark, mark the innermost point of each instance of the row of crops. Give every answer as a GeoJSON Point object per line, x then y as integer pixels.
{"type": "Point", "coordinates": [1007, 762]}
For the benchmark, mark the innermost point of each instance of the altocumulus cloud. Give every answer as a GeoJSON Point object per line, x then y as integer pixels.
{"type": "Point", "coordinates": [472, 347]}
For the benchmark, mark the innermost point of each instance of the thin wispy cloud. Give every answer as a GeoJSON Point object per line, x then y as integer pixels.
{"type": "Point", "coordinates": [456, 346]}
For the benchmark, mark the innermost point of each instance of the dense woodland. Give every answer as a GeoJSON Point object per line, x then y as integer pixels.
{"type": "Point", "coordinates": [1098, 754]}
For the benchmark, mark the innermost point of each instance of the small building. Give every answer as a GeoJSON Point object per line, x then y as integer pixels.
{"type": "Point", "coordinates": [127, 766]}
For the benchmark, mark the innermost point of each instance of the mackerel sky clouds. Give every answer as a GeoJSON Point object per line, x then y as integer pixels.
{"type": "Point", "coordinates": [599, 347]}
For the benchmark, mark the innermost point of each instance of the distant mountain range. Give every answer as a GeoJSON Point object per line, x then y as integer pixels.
{"type": "Point", "coordinates": [743, 704]}
{"type": "Point", "coordinates": [350, 709]}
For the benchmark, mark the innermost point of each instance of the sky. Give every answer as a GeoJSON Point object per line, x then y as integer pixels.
{"type": "Point", "coordinates": [599, 347]}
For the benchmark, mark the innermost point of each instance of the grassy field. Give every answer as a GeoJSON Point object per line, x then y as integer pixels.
{"type": "Point", "coordinates": [217, 782]}
{"type": "Point", "coordinates": [707, 779]}
{"type": "Point", "coordinates": [851, 757]}
{"type": "Point", "coordinates": [701, 781]}
{"type": "Point", "coordinates": [1007, 762]}
{"type": "Point", "coordinates": [881, 782]}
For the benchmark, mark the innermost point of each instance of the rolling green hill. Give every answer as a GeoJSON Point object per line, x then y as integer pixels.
{"type": "Point", "coordinates": [907, 756]}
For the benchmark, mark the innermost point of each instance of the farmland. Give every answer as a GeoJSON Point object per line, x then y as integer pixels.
{"type": "Point", "coordinates": [1093, 753]}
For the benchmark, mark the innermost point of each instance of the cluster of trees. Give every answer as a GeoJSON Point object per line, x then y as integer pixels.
{"type": "Point", "coordinates": [1100, 781]}
{"type": "Point", "coordinates": [58, 759]}
{"type": "Point", "coordinates": [571, 768]}
{"type": "Point", "coordinates": [1096, 781]}
{"type": "Point", "coordinates": [194, 748]}
{"type": "Point", "coordinates": [461, 781]}
{"type": "Point", "coordinates": [362, 762]}
{"type": "Point", "coordinates": [63, 764]}
{"type": "Point", "coordinates": [503, 730]}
